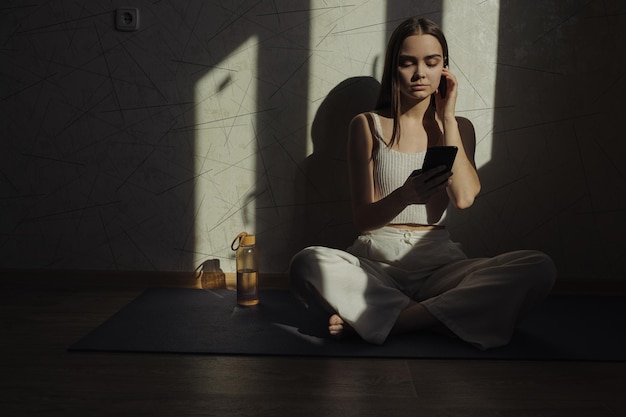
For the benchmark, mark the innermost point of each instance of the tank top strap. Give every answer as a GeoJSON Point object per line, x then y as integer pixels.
{"type": "Point", "coordinates": [378, 131]}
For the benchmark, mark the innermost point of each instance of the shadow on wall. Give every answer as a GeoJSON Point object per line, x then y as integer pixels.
{"type": "Point", "coordinates": [555, 181]}
{"type": "Point", "coordinates": [95, 173]}
{"type": "Point", "coordinates": [322, 183]}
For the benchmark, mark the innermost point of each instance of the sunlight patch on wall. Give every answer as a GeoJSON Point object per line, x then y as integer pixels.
{"type": "Point", "coordinates": [225, 152]}
{"type": "Point", "coordinates": [346, 41]}
{"type": "Point", "coordinates": [472, 33]}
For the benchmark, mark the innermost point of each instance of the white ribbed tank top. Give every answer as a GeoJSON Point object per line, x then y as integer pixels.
{"type": "Point", "coordinates": [391, 169]}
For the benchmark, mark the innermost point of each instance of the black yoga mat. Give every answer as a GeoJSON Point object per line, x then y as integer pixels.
{"type": "Point", "coordinates": [196, 321]}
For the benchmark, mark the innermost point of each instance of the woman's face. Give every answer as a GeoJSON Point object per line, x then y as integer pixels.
{"type": "Point", "coordinates": [420, 63]}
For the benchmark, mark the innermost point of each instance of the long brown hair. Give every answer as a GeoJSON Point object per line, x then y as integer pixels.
{"type": "Point", "coordinates": [389, 93]}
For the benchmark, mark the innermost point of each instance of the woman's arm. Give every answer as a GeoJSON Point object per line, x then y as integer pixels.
{"type": "Point", "coordinates": [465, 184]}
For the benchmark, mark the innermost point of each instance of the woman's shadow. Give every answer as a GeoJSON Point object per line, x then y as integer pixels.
{"type": "Point", "coordinates": [322, 183]}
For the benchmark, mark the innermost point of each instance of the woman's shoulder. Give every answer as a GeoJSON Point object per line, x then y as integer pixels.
{"type": "Point", "coordinates": [375, 121]}
{"type": "Point", "coordinates": [373, 114]}
{"type": "Point", "coordinates": [363, 130]}
{"type": "Point", "coordinates": [361, 123]}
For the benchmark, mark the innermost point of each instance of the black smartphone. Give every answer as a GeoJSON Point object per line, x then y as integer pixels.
{"type": "Point", "coordinates": [439, 155]}
{"type": "Point", "coordinates": [443, 84]}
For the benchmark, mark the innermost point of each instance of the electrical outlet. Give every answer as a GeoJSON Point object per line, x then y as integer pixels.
{"type": "Point", "coordinates": [127, 19]}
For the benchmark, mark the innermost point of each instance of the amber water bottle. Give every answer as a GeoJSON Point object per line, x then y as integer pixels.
{"type": "Point", "coordinates": [247, 260]}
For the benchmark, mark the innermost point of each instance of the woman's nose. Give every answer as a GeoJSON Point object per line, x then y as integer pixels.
{"type": "Point", "coordinates": [419, 72]}
{"type": "Point", "coordinates": [417, 75]}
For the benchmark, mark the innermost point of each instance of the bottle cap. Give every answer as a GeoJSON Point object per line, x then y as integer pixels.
{"type": "Point", "coordinates": [248, 240]}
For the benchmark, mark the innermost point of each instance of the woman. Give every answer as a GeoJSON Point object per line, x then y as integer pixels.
{"type": "Point", "coordinates": [403, 273]}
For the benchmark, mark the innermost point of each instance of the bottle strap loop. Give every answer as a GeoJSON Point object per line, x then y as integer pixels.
{"type": "Point", "coordinates": [238, 240]}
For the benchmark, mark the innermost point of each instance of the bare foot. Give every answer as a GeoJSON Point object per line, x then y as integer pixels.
{"type": "Point", "coordinates": [337, 327]}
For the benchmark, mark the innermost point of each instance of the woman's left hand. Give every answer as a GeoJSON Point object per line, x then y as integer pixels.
{"type": "Point", "coordinates": [446, 106]}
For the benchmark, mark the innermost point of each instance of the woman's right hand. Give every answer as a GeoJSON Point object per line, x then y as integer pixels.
{"type": "Point", "coordinates": [421, 186]}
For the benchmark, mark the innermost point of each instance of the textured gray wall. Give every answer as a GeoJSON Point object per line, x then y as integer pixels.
{"type": "Point", "coordinates": [152, 149]}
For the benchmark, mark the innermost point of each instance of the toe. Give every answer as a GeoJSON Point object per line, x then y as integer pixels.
{"type": "Point", "coordinates": [335, 320]}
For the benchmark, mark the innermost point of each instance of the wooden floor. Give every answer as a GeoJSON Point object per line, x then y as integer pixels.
{"type": "Point", "coordinates": [41, 318]}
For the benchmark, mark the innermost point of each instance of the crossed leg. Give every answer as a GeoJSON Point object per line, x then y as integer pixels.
{"type": "Point", "coordinates": [413, 318]}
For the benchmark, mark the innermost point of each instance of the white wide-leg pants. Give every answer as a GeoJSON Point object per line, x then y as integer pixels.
{"type": "Point", "coordinates": [480, 300]}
